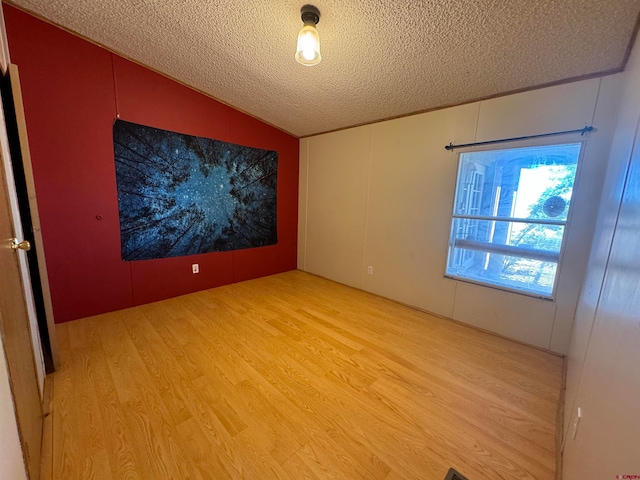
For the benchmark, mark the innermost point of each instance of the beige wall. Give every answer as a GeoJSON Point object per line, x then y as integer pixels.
{"type": "Point", "coordinates": [604, 360]}
{"type": "Point", "coordinates": [381, 195]}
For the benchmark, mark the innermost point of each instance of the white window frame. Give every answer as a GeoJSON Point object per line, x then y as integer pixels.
{"type": "Point", "coordinates": [570, 139]}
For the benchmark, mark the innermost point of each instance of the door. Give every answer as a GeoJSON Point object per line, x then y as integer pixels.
{"type": "Point", "coordinates": [15, 331]}
{"type": "Point", "coordinates": [28, 208]}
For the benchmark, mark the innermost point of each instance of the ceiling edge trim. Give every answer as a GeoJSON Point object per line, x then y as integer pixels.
{"type": "Point", "coordinates": [563, 81]}
{"type": "Point", "coordinates": [634, 35]}
{"type": "Point", "coordinates": [126, 57]}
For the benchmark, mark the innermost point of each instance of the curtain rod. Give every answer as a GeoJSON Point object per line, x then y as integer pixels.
{"type": "Point", "coordinates": [581, 131]}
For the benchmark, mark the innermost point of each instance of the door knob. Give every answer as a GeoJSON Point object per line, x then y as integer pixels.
{"type": "Point", "coordinates": [24, 245]}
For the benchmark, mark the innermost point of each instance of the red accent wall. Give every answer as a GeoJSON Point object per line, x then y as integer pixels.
{"type": "Point", "coordinates": [73, 91]}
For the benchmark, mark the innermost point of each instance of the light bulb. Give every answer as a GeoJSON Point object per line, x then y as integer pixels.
{"type": "Point", "coordinates": [308, 51]}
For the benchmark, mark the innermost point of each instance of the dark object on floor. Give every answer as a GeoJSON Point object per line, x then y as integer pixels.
{"type": "Point", "coordinates": [453, 475]}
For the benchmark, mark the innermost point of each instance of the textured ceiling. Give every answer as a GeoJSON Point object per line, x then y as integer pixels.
{"type": "Point", "coordinates": [380, 59]}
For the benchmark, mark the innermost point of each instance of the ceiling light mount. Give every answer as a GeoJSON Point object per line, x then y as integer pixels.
{"type": "Point", "coordinates": [308, 50]}
{"type": "Point", "coordinates": [310, 14]}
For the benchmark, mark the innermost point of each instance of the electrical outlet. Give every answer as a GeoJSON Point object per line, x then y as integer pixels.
{"type": "Point", "coordinates": [369, 270]}
{"type": "Point", "coordinates": [195, 268]}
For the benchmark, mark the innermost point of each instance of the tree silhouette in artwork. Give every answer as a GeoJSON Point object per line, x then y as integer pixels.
{"type": "Point", "coordinates": [182, 195]}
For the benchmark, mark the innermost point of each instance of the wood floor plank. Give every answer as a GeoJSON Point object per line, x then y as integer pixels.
{"type": "Point", "coordinates": [295, 377]}
{"type": "Point", "coordinates": [168, 337]}
{"type": "Point", "coordinates": [298, 469]}
{"type": "Point", "coordinates": [68, 458]}
{"type": "Point", "coordinates": [463, 399]}
{"type": "Point", "coordinates": [153, 353]}
{"type": "Point", "coordinates": [88, 415]}
{"type": "Point", "coordinates": [273, 408]}
{"type": "Point", "coordinates": [274, 438]}
{"type": "Point", "coordinates": [204, 450]}
{"type": "Point", "coordinates": [124, 456]}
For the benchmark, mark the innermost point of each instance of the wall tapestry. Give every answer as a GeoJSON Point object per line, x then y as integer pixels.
{"type": "Point", "coordinates": [182, 195]}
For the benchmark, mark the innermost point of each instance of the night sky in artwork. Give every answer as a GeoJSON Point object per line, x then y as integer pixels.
{"type": "Point", "coordinates": [182, 195]}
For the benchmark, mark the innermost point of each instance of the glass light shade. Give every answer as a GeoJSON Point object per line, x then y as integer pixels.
{"type": "Point", "coordinates": [308, 51]}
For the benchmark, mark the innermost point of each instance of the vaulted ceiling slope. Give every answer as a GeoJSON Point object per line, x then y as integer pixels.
{"type": "Point", "coordinates": [380, 58]}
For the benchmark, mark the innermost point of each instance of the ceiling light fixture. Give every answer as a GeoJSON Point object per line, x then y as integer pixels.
{"type": "Point", "coordinates": [308, 51]}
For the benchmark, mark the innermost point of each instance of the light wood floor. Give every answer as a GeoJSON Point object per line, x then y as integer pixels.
{"type": "Point", "coordinates": [296, 377]}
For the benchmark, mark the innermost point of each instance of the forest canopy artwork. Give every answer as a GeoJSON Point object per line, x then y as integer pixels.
{"type": "Point", "coordinates": [183, 195]}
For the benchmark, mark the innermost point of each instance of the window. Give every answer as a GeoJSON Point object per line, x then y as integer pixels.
{"type": "Point", "coordinates": [509, 217]}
